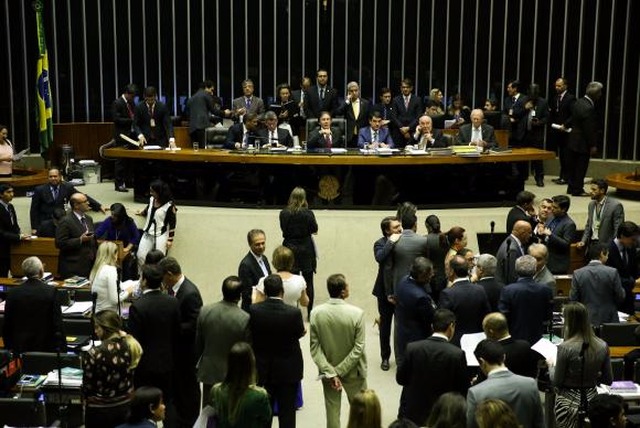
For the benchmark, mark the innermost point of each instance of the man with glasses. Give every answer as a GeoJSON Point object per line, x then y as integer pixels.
{"type": "Point", "coordinates": [75, 239]}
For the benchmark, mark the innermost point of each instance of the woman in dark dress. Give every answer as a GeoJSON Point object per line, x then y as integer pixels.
{"type": "Point", "coordinates": [120, 227]}
{"type": "Point", "coordinates": [298, 223]}
{"type": "Point", "coordinates": [437, 248]}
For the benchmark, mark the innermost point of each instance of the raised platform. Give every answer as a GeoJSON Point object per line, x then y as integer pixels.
{"type": "Point", "coordinates": [25, 178]}
{"type": "Point", "coordinates": [627, 183]}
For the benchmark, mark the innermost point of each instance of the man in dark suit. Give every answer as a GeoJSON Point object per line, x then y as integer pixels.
{"type": "Point", "coordinates": [511, 248]}
{"type": "Point", "coordinates": [276, 329]}
{"type": "Point", "coordinates": [408, 108]}
{"type": "Point", "coordinates": [513, 107]}
{"type": "Point", "coordinates": [583, 138]}
{"type": "Point", "coordinates": [154, 320]}
{"type": "Point", "coordinates": [9, 228]}
{"type": "Point", "coordinates": [122, 113]}
{"type": "Point", "coordinates": [466, 300]}
{"type": "Point", "coordinates": [431, 367]}
{"type": "Point", "coordinates": [55, 194]}
{"type": "Point", "coordinates": [414, 307]}
{"type": "Point", "coordinates": [202, 110]}
{"type": "Point", "coordinates": [382, 249]}
{"type": "Point", "coordinates": [271, 135]}
{"type": "Point", "coordinates": [321, 97]}
{"type": "Point", "coordinates": [247, 103]}
{"type": "Point", "coordinates": [623, 257]}
{"type": "Point", "coordinates": [536, 118]}
{"type": "Point", "coordinates": [188, 296]}
{"type": "Point", "coordinates": [300, 97]}
{"type": "Point", "coordinates": [356, 111]}
{"type": "Point", "coordinates": [220, 325]}
{"type": "Point", "coordinates": [485, 276]}
{"type": "Point", "coordinates": [152, 121]}
{"type": "Point", "coordinates": [32, 316]}
{"type": "Point", "coordinates": [425, 137]}
{"type": "Point", "coordinates": [385, 108]}
{"type": "Point", "coordinates": [558, 137]}
{"type": "Point", "coordinates": [325, 136]}
{"type": "Point", "coordinates": [604, 215]}
{"type": "Point", "coordinates": [526, 304]}
{"type": "Point", "coordinates": [523, 210]}
{"type": "Point", "coordinates": [243, 135]}
{"type": "Point", "coordinates": [558, 234]}
{"type": "Point", "coordinates": [253, 266]}
{"type": "Point", "coordinates": [477, 133]}
{"type": "Point", "coordinates": [75, 239]}
{"type": "Point", "coordinates": [375, 135]}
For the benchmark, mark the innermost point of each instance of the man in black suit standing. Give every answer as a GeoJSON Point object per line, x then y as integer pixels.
{"type": "Point", "coordinates": [522, 210]}
{"type": "Point", "coordinates": [276, 329]}
{"type": "Point", "coordinates": [300, 98]}
{"type": "Point", "coordinates": [558, 234]}
{"type": "Point", "coordinates": [9, 228]}
{"type": "Point", "coordinates": [558, 137]}
{"type": "Point", "coordinates": [511, 248]}
{"type": "Point", "coordinates": [321, 97]}
{"type": "Point", "coordinates": [583, 138]}
{"type": "Point", "coordinates": [152, 121]}
{"type": "Point", "coordinates": [186, 383]}
{"type": "Point", "coordinates": [356, 111]}
{"type": "Point", "coordinates": [623, 257]}
{"type": "Point", "coordinates": [55, 194]}
{"type": "Point", "coordinates": [407, 108]}
{"type": "Point", "coordinates": [154, 320]}
{"type": "Point", "coordinates": [431, 367]}
{"type": "Point", "coordinates": [32, 316]}
{"type": "Point", "coordinates": [513, 107]}
{"type": "Point", "coordinates": [75, 239]}
{"type": "Point", "coordinates": [122, 113]}
{"type": "Point", "coordinates": [202, 110]}
{"type": "Point", "coordinates": [253, 266]}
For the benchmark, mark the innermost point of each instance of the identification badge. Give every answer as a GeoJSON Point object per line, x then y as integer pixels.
{"type": "Point", "coordinates": [153, 123]}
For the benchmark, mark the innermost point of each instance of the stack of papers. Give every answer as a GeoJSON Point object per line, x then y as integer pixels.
{"type": "Point", "coordinates": [416, 152]}
{"type": "Point", "coordinates": [623, 387]}
{"type": "Point", "coordinates": [71, 377]}
{"type": "Point", "coordinates": [338, 150]}
{"type": "Point", "coordinates": [152, 147]}
{"type": "Point", "coordinates": [76, 281]}
{"type": "Point", "coordinates": [77, 308]}
{"type": "Point", "coordinates": [446, 151]}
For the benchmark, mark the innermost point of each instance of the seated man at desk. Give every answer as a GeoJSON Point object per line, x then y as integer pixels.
{"type": "Point", "coordinates": [375, 136]}
{"type": "Point", "coordinates": [325, 136]}
{"type": "Point", "coordinates": [32, 315]}
{"type": "Point", "coordinates": [477, 133]}
{"type": "Point", "coordinates": [271, 135]}
{"type": "Point", "coordinates": [243, 135]}
{"type": "Point", "coordinates": [425, 137]}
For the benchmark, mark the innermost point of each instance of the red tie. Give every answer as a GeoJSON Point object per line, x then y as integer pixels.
{"type": "Point", "coordinates": [130, 109]}
{"type": "Point", "coordinates": [327, 139]}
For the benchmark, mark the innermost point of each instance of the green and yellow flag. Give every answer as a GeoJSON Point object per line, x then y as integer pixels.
{"type": "Point", "coordinates": [44, 108]}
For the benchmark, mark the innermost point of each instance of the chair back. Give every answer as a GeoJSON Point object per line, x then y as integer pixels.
{"type": "Point", "coordinates": [338, 122]}
{"type": "Point", "coordinates": [22, 412]}
{"type": "Point", "coordinates": [37, 363]}
{"type": "Point", "coordinates": [618, 334]}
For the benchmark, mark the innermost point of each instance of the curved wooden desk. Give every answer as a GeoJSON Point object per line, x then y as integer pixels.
{"type": "Point", "coordinates": [625, 181]}
{"type": "Point", "coordinates": [24, 177]}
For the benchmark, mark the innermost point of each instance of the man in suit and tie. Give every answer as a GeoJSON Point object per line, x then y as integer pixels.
{"type": "Point", "coordinates": [202, 109]}
{"type": "Point", "coordinates": [522, 210]}
{"type": "Point", "coordinates": [154, 320]}
{"type": "Point", "coordinates": [325, 136]}
{"type": "Point", "coordinates": [558, 234]}
{"type": "Point", "coordinates": [186, 292]}
{"type": "Point", "coordinates": [466, 300]}
{"type": "Point", "coordinates": [409, 246]}
{"type": "Point", "coordinates": [477, 133]}
{"type": "Point", "coordinates": [407, 108]}
{"type": "Point", "coordinates": [55, 194]}
{"type": "Point", "coordinates": [220, 325]}
{"type": "Point", "coordinates": [9, 228]}
{"type": "Point", "coordinates": [431, 367]}
{"type": "Point", "coordinates": [519, 392]}
{"type": "Point", "coordinates": [253, 266]}
{"type": "Point", "coordinates": [543, 274]}
{"type": "Point", "coordinates": [511, 248]}
{"type": "Point", "coordinates": [321, 97]}
{"type": "Point", "coordinates": [513, 107]}
{"type": "Point", "coordinates": [526, 304]}
{"type": "Point", "coordinates": [276, 329]}
{"type": "Point", "coordinates": [122, 113]}
{"type": "Point", "coordinates": [337, 347]}
{"type": "Point", "coordinates": [425, 137]}
{"type": "Point", "coordinates": [374, 136]}
{"type": "Point", "coordinates": [385, 108]}
{"type": "Point", "coordinates": [32, 316]}
{"type": "Point", "coordinates": [485, 271]}
{"type": "Point", "coordinates": [622, 257]}
{"type": "Point", "coordinates": [583, 138]}
{"type": "Point", "coordinates": [300, 97]}
{"type": "Point", "coordinates": [152, 121]}
{"type": "Point", "coordinates": [242, 135]}
{"type": "Point", "coordinates": [356, 111]}
{"type": "Point", "coordinates": [247, 103]}
{"type": "Point", "coordinates": [75, 239]}
{"type": "Point", "coordinates": [604, 215]}
{"type": "Point", "coordinates": [271, 135]}
{"type": "Point", "coordinates": [558, 136]}
{"type": "Point", "coordinates": [598, 287]}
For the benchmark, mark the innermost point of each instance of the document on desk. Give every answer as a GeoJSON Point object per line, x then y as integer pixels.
{"type": "Point", "coordinates": [338, 150]}
{"type": "Point", "coordinates": [468, 343]}
{"type": "Point", "coordinates": [547, 349]}
{"type": "Point", "coordinates": [77, 308]}
{"type": "Point", "coordinates": [71, 377]}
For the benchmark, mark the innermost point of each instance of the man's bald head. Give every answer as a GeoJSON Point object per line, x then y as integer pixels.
{"type": "Point", "coordinates": [522, 231]}
{"type": "Point", "coordinates": [495, 326]}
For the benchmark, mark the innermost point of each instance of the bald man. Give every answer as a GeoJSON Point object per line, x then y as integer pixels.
{"type": "Point", "coordinates": [75, 239]}
{"type": "Point", "coordinates": [477, 133]}
{"type": "Point", "coordinates": [511, 248]}
{"type": "Point", "coordinates": [425, 137]}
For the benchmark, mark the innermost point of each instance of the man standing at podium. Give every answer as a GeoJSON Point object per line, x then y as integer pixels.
{"type": "Point", "coordinates": [152, 121]}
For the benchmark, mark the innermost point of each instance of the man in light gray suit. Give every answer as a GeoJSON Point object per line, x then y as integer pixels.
{"type": "Point", "coordinates": [543, 275]}
{"type": "Point", "coordinates": [598, 286]}
{"type": "Point", "coordinates": [247, 103]}
{"type": "Point", "coordinates": [409, 246]}
{"type": "Point", "coordinates": [337, 347]}
{"type": "Point", "coordinates": [605, 215]}
{"type": "Point", "coordinates": [220, 325]}
{"type": "Point", "coordinates": [519, 392]}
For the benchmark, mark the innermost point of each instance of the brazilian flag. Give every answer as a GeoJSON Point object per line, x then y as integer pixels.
{"type": "Point", "coordinates": [44, 108]}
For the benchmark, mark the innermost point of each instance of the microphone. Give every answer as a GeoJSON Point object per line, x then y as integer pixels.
{"type": "Point", "coordinates": [493, 226]}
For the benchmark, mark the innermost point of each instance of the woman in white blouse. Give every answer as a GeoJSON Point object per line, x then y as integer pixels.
{"type": "Point", "coordinates": [295, 287]}
{"type": "Point", "coordinates": [104, 277]}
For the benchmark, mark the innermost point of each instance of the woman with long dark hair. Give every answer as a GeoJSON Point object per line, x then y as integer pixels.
{"type": "Point", "coordinates": [120, 227]}
{"type": "Point", "coordinates": [437, 248]}
{"type": "Point", "coordinates": [147, 408]}
{"type": "Point", "coordinates": [159, 227]}
{"type": "Point", "coordinates": [298, 224]}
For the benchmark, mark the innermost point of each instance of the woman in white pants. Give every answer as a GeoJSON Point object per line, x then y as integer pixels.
{"type": "Point", "coordinates": [159, 228]}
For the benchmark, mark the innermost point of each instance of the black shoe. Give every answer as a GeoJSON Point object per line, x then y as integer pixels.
{"type": "Point", "coordinates": [580, 194]}
{"type": "Point", "coordinates": [539, 182]}
{"type": "Point", "coordinates": [559, 181]}
{"type": "Point", "coordinates": [384, 365]}
{"type": "Point", "coordinates": [122, 189]}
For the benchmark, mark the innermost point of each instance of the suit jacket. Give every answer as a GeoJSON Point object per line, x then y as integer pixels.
{"type": "Point", "coordinates": [517, 213]}
{"type": "Point", "coordinates": [354, 123]}
{"type": "Point", "coordinates": [584, 126]}
{"type": "Point", "coordinates": [492, 287]}
{"type": "Point", "coordinates": [76, 257]}
{"type": "Point", "coordinates": [315, 105]}
{"type": "Point", "coordinates": [611, 216]}
{"type": "Point", "coordinates": [337, 340]}
{"type": "Point", "coordinates": [528, 307]}
{"type": "Point", "coordinates": [470, 305]}
{"type": "Point", "coordinates": [407, 248]}
{"type": "Point", "coordinates": [365, 136]}
{"type": "Point", "coordinates": [276, 329]}
{"type": "Point", "coordinates": [431, 367]}
{"type": "Point", "coordinates": [545, 277]}
{"type": "Point", "coordinates": [382, 249]}
{"type": "Point", "coordinates": [122, 113]}
{"type": "Point", "coordinates": [520, 358]}
{"type": "Point", "coordinates": [559, 244]}
{"type": "Point", "coordinates": [407, 116]}
{"type": "Point", "coordinates": [190, 302]}
{"type": "Point", "coordinates": [9, 231]}
{"type": "Point", "coordinates": [507, 254]}
{"type": "Point", "coordinates": [316, 141]}
{"type": "Point", "coordinates": [413, 314]}
{"type": "Point", "coordinates": [154, 320]}
{"type": "Point", "coordinates": [283, 136]}
{"type": "Point", "coordinates": [43, 204]}
{"type": "Point", "coordinates": [249, 272]}
{"type": "Point", "coordinates": [386, 111]}
{"type": "Point", "coordinates": [518, 112]}
{"type": "Point", "coordinates": [163, 129]}
{"type": "Point", "coordinates": [438, 139]}
{"type": "Point", "coordinates": [628, 273]}
{"type": "Point", "coordinates": [519, 392]}
{"type": "Point", "coordinates": [201, 108]}
{"type": "Point", "coordinates": [534, 129]}
{"type": "Point", "coordinates": [257, 105]}
{"type": "Point", "coordinates": [32, 318]}
{"type": "Point", "coordinates": [219, 327]}
{"type": "Point", "coordinates": [560, 109]}
{"type": "Point", "coordinates": [465, 134]}
{"type": "Point", "coordinates": [598, 287]}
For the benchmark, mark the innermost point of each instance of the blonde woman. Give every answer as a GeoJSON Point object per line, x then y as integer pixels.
{"type": "Point", "coordinates": [365, 411]}
{"type": "Point", "coordinates": [295, 287]}
{"type": "Point", "coordinates": [104, 277]}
